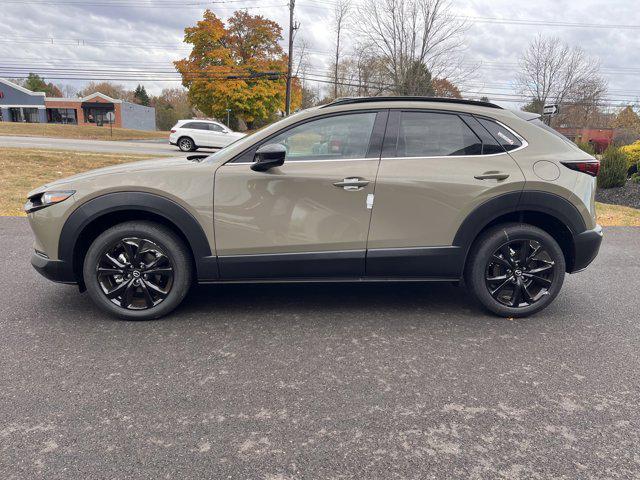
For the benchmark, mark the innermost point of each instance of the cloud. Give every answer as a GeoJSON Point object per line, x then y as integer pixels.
{"type": "Point", "coordinates": [94, 35]}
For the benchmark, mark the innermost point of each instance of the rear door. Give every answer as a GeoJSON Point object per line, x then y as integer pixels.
{"type": "Point", "coordinates": [198, 131]}
{"type": "Point", "coordinates": [436, 168]}
{"type": "Point", "coordinates": [308, 218]}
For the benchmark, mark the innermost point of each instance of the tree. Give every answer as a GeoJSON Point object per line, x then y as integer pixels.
{"type": "Point", "coordinates": [239, 66]}
{"type": "Point", "coordinates": [109, 89]}
{"type": "Point", "coordinates": [444, 88]}
{"type": "Point", "coordinates": [627, 119]}
{"type": "Point", "coordinates": [410, 34]}
{"type": "Point", "coordinates": [171, 105]}
{"type": "Point", "coordinates": [554, 72]}
{"type": "Point", "coordinates": [36, 83]}
{"type": "Point", "coordinates": [415, 81]}
{"type": "Point", "coordinates": [340, 13]}
{"type": "Point", "coordinates": [140, 96]}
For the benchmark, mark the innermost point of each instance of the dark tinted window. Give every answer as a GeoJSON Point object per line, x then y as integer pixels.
{"type": "Point", "coordinates": [426, 134]}
{"type": "Point", "coordinates": [489, 144]}
{"type": "Point", "coordinates": [507, 139]}
{"type": "Point", "coordinates": [215, 127]}
{"type": "Point", "coordinates": [196, 126]}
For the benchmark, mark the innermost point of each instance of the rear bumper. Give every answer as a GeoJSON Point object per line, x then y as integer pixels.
{"type": "Point", "coordinates": [585, 248]}
{"type": "Point", "coordinates": [55, 270]}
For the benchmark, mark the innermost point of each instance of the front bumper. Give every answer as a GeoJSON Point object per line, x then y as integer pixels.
{"type": "Point", "coordinates": [585, 248]}
{"type": "Point", "coordinates": [55, 270]}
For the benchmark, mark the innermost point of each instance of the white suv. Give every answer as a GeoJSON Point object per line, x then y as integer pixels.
{"type": "Point", "coordinates": [189, 135]}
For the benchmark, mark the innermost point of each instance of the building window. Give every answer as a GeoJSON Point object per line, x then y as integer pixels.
{"type": "Point", "coordinates": [97, 115]}
{"type": "Point", "coordinates": [25, 115]}
{"type": "Point", "coordinates": [65, 116]}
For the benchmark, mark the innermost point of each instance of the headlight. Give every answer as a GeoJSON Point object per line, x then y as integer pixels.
{"type": "Point", "coordinates": [42, 200]}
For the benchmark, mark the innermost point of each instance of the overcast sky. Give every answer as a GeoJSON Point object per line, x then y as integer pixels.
{"type": "Point", "coordinates": [75, 35]}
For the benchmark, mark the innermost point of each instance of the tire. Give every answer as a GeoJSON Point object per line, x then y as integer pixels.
{"type": "Point", "coordinates": [145, 267]}
{"type": "Point", "coordinates": [186, 144]}
{"type": "Point", "coordinates": [515, 270]}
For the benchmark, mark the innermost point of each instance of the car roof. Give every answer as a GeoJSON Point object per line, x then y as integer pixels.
{"type": "Point", "coordinates": [198, 120]}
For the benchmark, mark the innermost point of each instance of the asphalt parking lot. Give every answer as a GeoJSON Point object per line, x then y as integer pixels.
{"type": "Point", "coordinates": [321, 381]}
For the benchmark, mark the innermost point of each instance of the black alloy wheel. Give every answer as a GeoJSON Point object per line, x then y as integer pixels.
{"type": "Point", "coordinates": [135, 273]}
{"type": "Point", "coordinates": [520, 273]}
{"type": "Point", "coordinates": [138, 270]}
{"type": "Point", "coordinates": [515, 269]}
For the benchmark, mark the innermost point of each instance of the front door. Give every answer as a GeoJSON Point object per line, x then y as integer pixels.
{"type": "Point", "coordinates": [436, 168]}
{"type": "Point", "coordinates": [308, 218]}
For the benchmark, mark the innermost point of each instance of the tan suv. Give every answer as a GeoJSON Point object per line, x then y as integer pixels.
{"type": "Point", "coordinates": [362, 189]}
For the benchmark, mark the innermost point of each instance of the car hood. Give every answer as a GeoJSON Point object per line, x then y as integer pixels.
{"type": "Point", "coordinates": [131, 167]}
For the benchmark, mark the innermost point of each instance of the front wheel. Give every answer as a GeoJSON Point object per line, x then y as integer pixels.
{"type": "Point", "coordinates": [515, 270]}
{"type": "Point", "coordinates": [137, 270]}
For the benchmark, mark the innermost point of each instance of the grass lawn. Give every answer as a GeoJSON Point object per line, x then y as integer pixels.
{"type": "Point", "coordinates": [25, 169]}
{"type": "Point", "coordinates": [617, 215]}
{"type": "Point", "coordinates": [89, 132]}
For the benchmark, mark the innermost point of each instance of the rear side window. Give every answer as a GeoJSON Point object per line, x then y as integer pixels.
{"type": "Point", "coordinates": [196, 126]}
{"type": "Point", "coordinates": [428, 134]}
{"type": "Point", "coordinates": [507, 139]}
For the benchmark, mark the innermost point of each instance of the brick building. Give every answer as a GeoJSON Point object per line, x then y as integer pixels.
{"type": "Point", "coordinates": [17, 104]}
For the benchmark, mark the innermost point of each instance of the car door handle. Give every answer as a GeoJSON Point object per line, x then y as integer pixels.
{"type": "Point", "coordinates": [352, 184]}
{"type": "Point", "coordinates": [492, 176]}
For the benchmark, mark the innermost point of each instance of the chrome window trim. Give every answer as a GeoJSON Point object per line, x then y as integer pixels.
{"type": "Point", "coordinates": [374, 159]}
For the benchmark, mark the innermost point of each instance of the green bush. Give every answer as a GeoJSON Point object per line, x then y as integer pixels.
{"type": "Point", "coordinates": [635, 178]}
{"type": "Point", "coordinates": [613, 169]}
{"type": "Point", "coordinates": [587, 147]}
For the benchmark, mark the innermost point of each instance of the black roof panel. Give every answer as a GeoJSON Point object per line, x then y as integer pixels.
{"type": "Point", "coordinates": [460, 101]}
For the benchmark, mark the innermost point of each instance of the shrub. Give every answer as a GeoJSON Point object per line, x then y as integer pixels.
{"type": "Point", "coordinates": [613, 169]}
{"type": "Point", "coordinates": [586, 147]}
{"type": "Point", "coordinates": [635, 178]}
{"type": "Point", "coordinates": [632, 152]}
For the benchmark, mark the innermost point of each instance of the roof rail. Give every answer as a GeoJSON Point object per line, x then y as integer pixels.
{"type": "Point", "coordinates": [352, 100]}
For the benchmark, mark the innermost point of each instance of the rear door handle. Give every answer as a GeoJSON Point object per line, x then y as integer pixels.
{"type": "Point", "coordinates": [352, 184]}
{"type": "Point", "coordinates": [492, 176]}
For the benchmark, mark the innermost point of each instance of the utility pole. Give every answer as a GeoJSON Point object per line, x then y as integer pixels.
{"type": "Point", "coordinates": [292, 28]}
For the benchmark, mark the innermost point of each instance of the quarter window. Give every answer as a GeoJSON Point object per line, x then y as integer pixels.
{"type": "Point", "coordinates": [429, 134]}
{"type": "Point", "coordinates": [507, 139]}
{"type": "Point", "coordinates": [338, 137]}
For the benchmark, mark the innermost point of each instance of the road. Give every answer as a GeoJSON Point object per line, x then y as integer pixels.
{"type": "Point", "coordinates": [152, 147]}
{"type": "Point", "coordinates": [321, 381]}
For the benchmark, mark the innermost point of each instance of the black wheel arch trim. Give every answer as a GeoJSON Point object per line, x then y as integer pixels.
{"type": "Point", "coordinates": [514, 202]}
{"type": "Point", "coordinates": [85, 214]}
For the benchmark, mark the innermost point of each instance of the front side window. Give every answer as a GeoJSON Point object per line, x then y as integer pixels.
{"type": "Point", "coordinates": [337, 137]}
{"type": "Point", "coordinates": [429, 134]}
{"type": "Point", "coordinates": [214, 127]}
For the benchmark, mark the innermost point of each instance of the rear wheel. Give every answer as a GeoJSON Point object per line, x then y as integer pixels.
{"type": "Point", "coordinates": [186, 144]}
{"type": "Point", "coordinates": [137, 271]}
{"type": "Point", "coordinates": [515, 270]}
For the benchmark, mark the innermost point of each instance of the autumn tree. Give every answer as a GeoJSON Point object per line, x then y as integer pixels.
{"type": "Point", "coordinates": [171, 105]}
{"type": "Point", "coordinates": [627, 119]}
{"type": "Point", "coordinates": [109, 89]}
{"type": "Point", "coordinates": [444, 88]}
{"type": "Point", "coordinates": [238, 66]}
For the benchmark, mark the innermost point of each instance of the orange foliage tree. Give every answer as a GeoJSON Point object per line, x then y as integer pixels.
{"type": "Point", "coordinates": [444, 88]}
{"type": "Point", "coordinates": [238, 66]}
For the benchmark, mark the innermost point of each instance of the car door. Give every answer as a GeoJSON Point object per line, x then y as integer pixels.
{"type": "Point", "coordinates": [436, 168]}
{"type": "Point", "coordinates": [216, 136]}
{"type": "Point", "coordinates": [197, 131]}
{"type": "Point", "coordinates": [308, 218]}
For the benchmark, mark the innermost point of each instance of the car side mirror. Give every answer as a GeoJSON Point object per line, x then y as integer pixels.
{"type": "Point", "coordinates": [269, 156]}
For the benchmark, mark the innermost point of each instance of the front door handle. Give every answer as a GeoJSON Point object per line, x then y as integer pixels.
{"type": "Point", "coordinates": [352, 184]}
{"type": "Point", "coordinates": [492, 176]}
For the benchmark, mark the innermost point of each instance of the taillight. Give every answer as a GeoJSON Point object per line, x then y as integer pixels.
{"type": "Point", "coordinates": [173, 131]}
{"type": "Point", "coordinates": [592, 167]}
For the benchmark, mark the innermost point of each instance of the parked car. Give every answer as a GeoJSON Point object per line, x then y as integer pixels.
{"type": "Point", "coordinates": [189, 135]}
{"type": "Point", "coordinates": [366, 189]}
